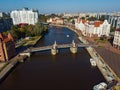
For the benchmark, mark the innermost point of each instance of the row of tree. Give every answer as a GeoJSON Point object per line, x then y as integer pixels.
{"type": "Point", "coordinates": [28, 30]}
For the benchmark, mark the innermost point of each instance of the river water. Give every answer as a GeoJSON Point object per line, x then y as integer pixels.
{"type": "Point", "coordinates": [64, 71]}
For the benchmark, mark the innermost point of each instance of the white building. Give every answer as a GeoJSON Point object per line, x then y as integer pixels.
{"type": "Point", "coordinates": [114, 21]}
{"type": "Point", "coordinates": [93, 28]}
{"type": "Point", "coordinates": [55, 20]}
{"type": "Point", "coordinates": [116, 41]}
{"type": "Point", "coordinates": [24, 16]}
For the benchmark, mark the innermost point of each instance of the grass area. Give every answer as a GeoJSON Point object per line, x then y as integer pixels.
{"type": "Point", "coordinates": [100, 41]}
{"type": "Point", "coordinates": [100, 46]}
{"type": "Point", "coordinates": [28, 41]}
{"type": "Point", "coordinates": [31, 41]}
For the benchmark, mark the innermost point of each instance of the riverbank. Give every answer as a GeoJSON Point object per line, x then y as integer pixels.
{"type": "Point", "coordinates": [28, 41]}
{"type": "Point", "coordinates": [6, 67]}
{"type": "Point", "coordinates": [104, 60]}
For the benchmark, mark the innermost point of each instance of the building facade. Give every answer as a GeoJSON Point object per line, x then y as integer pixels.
{"type": "Point", "coordinates": [116, 41]}
{"type": "Point", "coordinates": [93, 28]}
{"type": "Point", "coordinates": [7, 47]}
{"type": "Point", "coordinates": [2, 14]}
{"type": "Point", "coordinates": [55, 20]}
{"type": "Point", "coordinates": [114, 21]}
{"type": "Point", "coordinates": [24, 16]}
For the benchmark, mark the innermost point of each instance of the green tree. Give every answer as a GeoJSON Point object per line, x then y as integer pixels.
{"type": "Point", "coordinates": [15, 32]}
{"type": "Point", "coordinates": [92, 18]}
{"type": "Point", "coordinates": [38, 29]}
{"type": "Point", "coordinates": [73, 21]}
{"type": "Point", "coordinates": [43, 18]}
{"type": "Point", "coordinates": [102, 18]}
{"type": "Point", "coordinates": [112, 29]}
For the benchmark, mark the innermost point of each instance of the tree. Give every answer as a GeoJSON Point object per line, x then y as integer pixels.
{"type": "Point", "coordinates": [73, 21]}
{"type": "Point", "coordinates": [15, 32]}
{"type": "Point", "coordinates": [92, 18]}
{"type": "Point", "coordinates": [112, 29]}
{"type": "Point", "coordinates": [42, 18]}
{"type": "Point", "coordinates": [38, 29]}
{"type": "Point", "coordinates": [102, 18]}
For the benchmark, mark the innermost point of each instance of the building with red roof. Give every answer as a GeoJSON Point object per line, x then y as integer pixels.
{"type": "Point", "coordinates": [7, 47]}
{"type": "Point", "coordinates": [55, 20]}
{"type": "Point", "coordinates": [93, 28]}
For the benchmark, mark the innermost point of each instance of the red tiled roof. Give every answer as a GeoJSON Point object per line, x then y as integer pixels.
{"type": "Point", "coordinates": [6, 38]}
{"type": "Point", "coordinates": [2, 36]}
{"type": "Point", "coordinates": [97, 23]}
{"type": "Point", "coordinates": [118, 29]}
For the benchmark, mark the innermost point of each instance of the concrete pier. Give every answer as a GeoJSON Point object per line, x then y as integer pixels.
{"type": "Point", "coordinates": [54, 50]}
{"type": "Point", "coordinates": [73, 48]}
{"type": "Point", "coordinates": [25, 54]}
{"type": "Point", "coordinates": [106, 71]}
{"type": "Point", "coordinates": [6, 69]}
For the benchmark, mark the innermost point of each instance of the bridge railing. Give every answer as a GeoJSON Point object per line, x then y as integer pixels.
{"type": "Point", "coordinates": [34, 49]}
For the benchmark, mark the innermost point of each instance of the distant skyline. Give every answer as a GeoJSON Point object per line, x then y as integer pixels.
{"type": "Point", "coordinates": [61, 6]}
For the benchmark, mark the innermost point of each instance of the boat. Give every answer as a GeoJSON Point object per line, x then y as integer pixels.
{"type": "Point", "coordinates": [93, 62]}
{"type": "Point", "coordinates": [100, 86]}
{"type": "Point", "coordinates": [67, 35]}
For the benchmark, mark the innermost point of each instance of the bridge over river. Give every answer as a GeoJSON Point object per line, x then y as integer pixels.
{"type": "Point", "coordinates": [54, 48]}
{"type": "Point", "coordinates": [37, 49]}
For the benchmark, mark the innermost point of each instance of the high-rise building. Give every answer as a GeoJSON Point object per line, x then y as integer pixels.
{"type": "Point", "coordinates": [114, 21]}
{"type": "Point", "coordinates": [5, 24]}
{"type": "Point", "coordinates": [24, 16]}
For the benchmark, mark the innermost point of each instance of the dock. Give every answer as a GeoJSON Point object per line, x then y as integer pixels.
{"type": "Point", "coordinates": [10, 65]}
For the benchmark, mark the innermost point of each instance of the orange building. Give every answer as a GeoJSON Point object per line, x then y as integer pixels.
{"type": "Point", "coordinates": [7, 47]}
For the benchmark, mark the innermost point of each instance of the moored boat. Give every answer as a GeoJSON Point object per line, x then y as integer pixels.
{"type": "Point", "coordinates": [101, 86]}
{"type": "Point", "coordinates": [67, 35]}
{"type": "Point", "coordinates": [93, 62]}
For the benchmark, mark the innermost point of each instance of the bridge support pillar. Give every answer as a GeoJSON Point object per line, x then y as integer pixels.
{"type": "Point", "coordinates": [73, 48]}
{"type": "Point", "coordinates": [54, 50]}
{"type": "Point", "coordinates": [25, 54]}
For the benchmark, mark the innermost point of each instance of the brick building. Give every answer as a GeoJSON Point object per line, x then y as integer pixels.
{"type": "Point", "coordinates": [7, 47]}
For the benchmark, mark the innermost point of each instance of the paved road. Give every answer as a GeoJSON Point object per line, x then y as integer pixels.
{"type": "Point", "coordinates": [112, 59]}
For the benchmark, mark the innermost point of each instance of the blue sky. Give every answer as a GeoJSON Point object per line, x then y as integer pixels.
{"type": "Point", "coordinates": [59, 6]}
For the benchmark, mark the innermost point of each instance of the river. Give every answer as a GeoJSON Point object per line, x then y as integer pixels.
{"type": "Point", "coordinates": [64, 71]}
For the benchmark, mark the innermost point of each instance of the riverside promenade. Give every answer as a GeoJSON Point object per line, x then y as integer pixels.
{"type": "Point", "coordinates": [105, 67]}
{"type": "Point", "coordinates": [10, 65]}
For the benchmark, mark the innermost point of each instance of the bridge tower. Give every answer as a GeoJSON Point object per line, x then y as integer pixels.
{"type": "Point", "coordinates": [73, 48]}
{"type": "Point", "coordinates": [54, 50]}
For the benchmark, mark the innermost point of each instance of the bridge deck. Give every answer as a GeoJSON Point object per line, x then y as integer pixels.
{"type": "Point", "coordinates": [36, 49]}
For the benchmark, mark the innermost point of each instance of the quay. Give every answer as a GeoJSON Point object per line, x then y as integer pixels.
{"type": "Point", "coordinates": [6, 68]}
{"type": "Point", "coordinates": [10, 64]}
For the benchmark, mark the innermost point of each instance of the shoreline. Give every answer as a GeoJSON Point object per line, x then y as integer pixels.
{"type": "Point", "coordinates": [6, 69]}
{"type": "Point", "coordinates": [94, 55]}
{"type": "Point", "coordinates": [116, 77]}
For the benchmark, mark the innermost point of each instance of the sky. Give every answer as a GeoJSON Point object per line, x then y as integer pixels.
{"type": "Point", "coordinates": [61, 6]}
